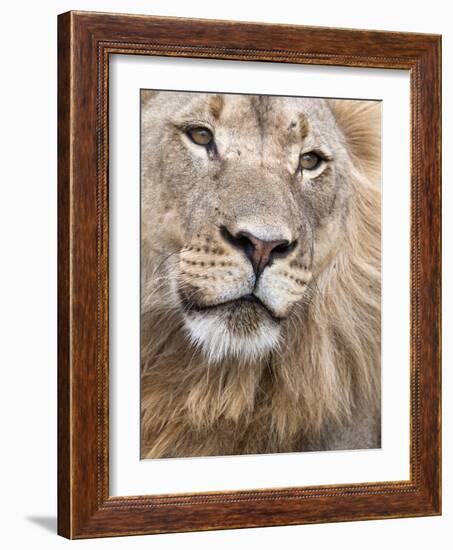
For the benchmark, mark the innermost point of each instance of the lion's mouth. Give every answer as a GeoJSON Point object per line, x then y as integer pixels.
{"type": "Point", "coordinates": [246, 301]}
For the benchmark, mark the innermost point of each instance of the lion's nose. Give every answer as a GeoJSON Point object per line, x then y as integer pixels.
{"type": "Point", "coordinates": [261, 253]}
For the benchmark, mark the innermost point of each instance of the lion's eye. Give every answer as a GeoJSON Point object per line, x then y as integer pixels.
{"type": "Point", "coordinates": [309, 161]}
{"type": "Point", "coordinates": [200, 136]}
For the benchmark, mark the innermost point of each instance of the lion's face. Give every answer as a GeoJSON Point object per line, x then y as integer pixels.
{"type": "Point", "coordinates": [245, 201]}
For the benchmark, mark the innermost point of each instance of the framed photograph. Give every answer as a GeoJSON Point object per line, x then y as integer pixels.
{"type": "Point", "coordinates": [249, 275]}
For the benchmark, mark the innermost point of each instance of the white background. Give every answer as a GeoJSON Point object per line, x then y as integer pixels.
{"type": "Point", "coordinates": [130, 476]}
{"type": "Point", "coordinates": [28, 275]}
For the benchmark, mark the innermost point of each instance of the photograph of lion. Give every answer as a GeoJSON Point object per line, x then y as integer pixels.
{"type": "Point", "coordinates": [260, 274]}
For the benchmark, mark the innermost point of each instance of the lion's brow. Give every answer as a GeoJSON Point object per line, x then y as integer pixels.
{"type": "Point", "coordinates": [216, 103]}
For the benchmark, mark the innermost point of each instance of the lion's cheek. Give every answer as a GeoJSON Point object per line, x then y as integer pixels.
{"type": "Point", "coordinates": [327, 243]}
{"type": "Point", "coordinates": [166, 229]}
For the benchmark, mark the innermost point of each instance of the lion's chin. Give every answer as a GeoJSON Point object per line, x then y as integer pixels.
{"type": "Point", "coordinates": [222, 335]}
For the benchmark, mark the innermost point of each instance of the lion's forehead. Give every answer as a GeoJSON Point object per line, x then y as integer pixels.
{"type": "Point", "coordinates": [283, 118]}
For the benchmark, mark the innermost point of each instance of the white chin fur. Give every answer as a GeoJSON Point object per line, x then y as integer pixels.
{"type": "Point", "coordinates": [211, 335]}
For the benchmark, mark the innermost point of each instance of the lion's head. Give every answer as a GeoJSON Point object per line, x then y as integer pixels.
{"type": "Point", "coordinates": [261, 235]}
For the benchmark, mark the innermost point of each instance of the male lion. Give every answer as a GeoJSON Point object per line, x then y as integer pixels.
{"type": "Point", "coordinates": [260, 310]}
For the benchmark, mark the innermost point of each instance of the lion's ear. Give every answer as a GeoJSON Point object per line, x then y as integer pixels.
{"type": "Point", "coordinates": [146, 96]}
{"type": "Point", "coordinates": [360, 123]}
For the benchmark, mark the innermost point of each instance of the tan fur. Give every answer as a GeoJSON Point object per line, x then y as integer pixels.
{"type": "Point", "coordinates": [319, 388]}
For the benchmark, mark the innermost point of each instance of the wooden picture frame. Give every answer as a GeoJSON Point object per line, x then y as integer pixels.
{"type": "Point", "coordinates": [85, 42]}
